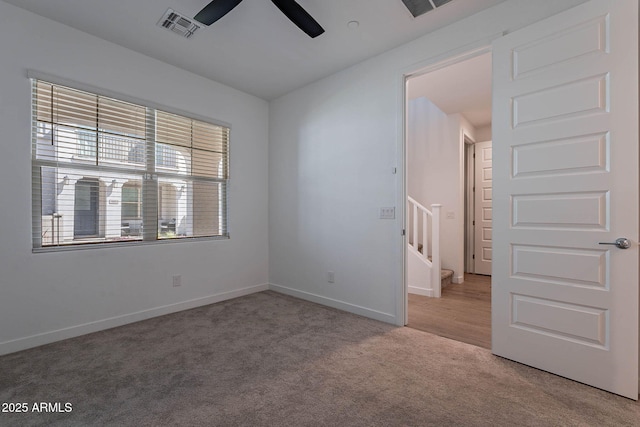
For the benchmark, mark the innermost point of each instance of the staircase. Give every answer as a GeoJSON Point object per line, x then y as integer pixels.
{"type": "Point", "coordinates": [425, 275]}
{"type": "Point", "coordinates": [446, 276]}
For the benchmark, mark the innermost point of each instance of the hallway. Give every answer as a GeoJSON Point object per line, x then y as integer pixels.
{"type": "Point", "coordinates": [462, 314]}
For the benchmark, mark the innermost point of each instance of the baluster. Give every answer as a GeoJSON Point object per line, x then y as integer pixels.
{"type": "Point", "coordinates": [435, 249]}
{"type": "Point", "coordinates": [425, 222]}
{"type": "Point", "coordinates": [409, 230]}
{"type": "Point", "coordinates": [415, 227]}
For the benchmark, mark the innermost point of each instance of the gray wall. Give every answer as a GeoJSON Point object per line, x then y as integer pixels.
{"type": "Point", "coordinates": [50, 296]}
{"type": "Point", "coordinates": [332, 146]}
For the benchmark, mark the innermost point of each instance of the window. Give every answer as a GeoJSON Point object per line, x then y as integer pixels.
{"type": "Point", "coordinates": [106, 170]}
{"type": "Point", "coordinates": [86, 144]}
{"type": "Point", "coordinates": [165, 156]}
{"type": "Point", "coordinates": [132, 200]}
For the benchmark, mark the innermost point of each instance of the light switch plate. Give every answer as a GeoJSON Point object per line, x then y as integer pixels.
{"type": "Point", "coordinates": [388, 213]}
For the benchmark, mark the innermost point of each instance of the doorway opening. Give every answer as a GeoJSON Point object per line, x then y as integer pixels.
{"type": "Point", "coordinates": [448, 182]}
{"type": "Point", "coordinates": [85, 223]}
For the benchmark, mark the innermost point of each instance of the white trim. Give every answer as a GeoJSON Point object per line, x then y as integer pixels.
{"type": "Point", "coordinates": [112, 322]}
{"type": "Point", "coordinates": [465, 135]}
{"type": "Point", "coordinates": [421, 291]}
{"type": "Point", "coordinates": [402, 289]}
{"type": "Point", "coordinates": [469, 228]}
{"type": "Point", "coordinates": [125, 244]}
{"type": "Point", "coordinates": [330, 302]}
{"type": "Point", "coordinates": [450, 57]}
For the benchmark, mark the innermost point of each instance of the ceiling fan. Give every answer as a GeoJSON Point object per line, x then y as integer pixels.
{"type": "Point", "coordinates": [218, 8]}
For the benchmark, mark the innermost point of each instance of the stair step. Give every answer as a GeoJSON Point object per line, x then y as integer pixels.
{"type": "Point", "coordinates": [446, 277]}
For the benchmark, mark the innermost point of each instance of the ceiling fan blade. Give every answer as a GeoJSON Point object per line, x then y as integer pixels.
{"type": "Point", "coordinates": [300, 17]}
{"type": "Point", "coordinates": [215, 10]}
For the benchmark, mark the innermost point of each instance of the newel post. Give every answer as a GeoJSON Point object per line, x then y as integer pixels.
{"type": "Point", "coordinates": [435, 248]}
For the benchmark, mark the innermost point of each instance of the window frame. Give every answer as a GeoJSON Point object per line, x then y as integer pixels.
{"type": "Point", "coordinates": [157, 171]}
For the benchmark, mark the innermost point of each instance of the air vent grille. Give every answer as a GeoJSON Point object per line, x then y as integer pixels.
{"type": "Point", "coordinates": [177, 23]}
{"type": "Point", "coordinates": [420, 7]}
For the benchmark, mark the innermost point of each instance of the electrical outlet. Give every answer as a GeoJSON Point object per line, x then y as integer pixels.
{"type": "Point", "coordinates": [331, 277]}
{"type": "Point", "coordinates": [388, 213]}
{"type": "Point", "coordinates": [177, 281]}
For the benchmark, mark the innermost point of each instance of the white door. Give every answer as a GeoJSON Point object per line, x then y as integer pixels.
{"type": "Point", "coordinates": [565, 151]}
{"type": "Point", "coordinates": [483, 209]}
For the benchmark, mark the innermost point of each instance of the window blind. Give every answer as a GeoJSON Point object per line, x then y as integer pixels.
{"type": "Point", "coordinates": [105, 170]}
{"type": "Point", "coordinates": [192, 157]}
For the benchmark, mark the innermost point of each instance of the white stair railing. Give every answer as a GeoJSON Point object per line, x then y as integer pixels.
{"type": "Point", "coordinates": [422, 222]}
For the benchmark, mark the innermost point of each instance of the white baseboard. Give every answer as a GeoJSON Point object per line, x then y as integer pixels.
{"type": "Point", "coordinates": [340, 305]}
{"type": "Point", "coordinates": [421, 291]}
{"type": "Point", "coordinates": [112, 322]}
{"type": "Point", "coordinates": [457, 279]}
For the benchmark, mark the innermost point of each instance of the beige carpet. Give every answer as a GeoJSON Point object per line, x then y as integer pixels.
{"type": "Point", "coordinates": [271, 360]}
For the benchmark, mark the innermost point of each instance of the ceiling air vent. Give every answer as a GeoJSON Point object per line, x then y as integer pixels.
{"type": "Point", "coordinates": [419, 7]}
{"type": "Point", "coordinates": [172, 20]}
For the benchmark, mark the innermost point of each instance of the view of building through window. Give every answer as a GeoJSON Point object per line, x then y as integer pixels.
{"type": "Point", "coordinates": [106, 170]}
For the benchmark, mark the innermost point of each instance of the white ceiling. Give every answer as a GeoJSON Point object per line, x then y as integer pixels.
{"type": "Point", "coordinates": [255, 48]}
{"type": "Point", "coordinates": [464, 87]}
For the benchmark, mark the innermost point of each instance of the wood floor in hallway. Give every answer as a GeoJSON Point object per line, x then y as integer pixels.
{"type": "Point", "coordinates": [463, 313]}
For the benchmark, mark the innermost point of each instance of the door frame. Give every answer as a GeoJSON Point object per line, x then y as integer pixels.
{"type": "Point", "coordinates": [469, 208]}
{"type": "Point", "coordinates": [423, 67]}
